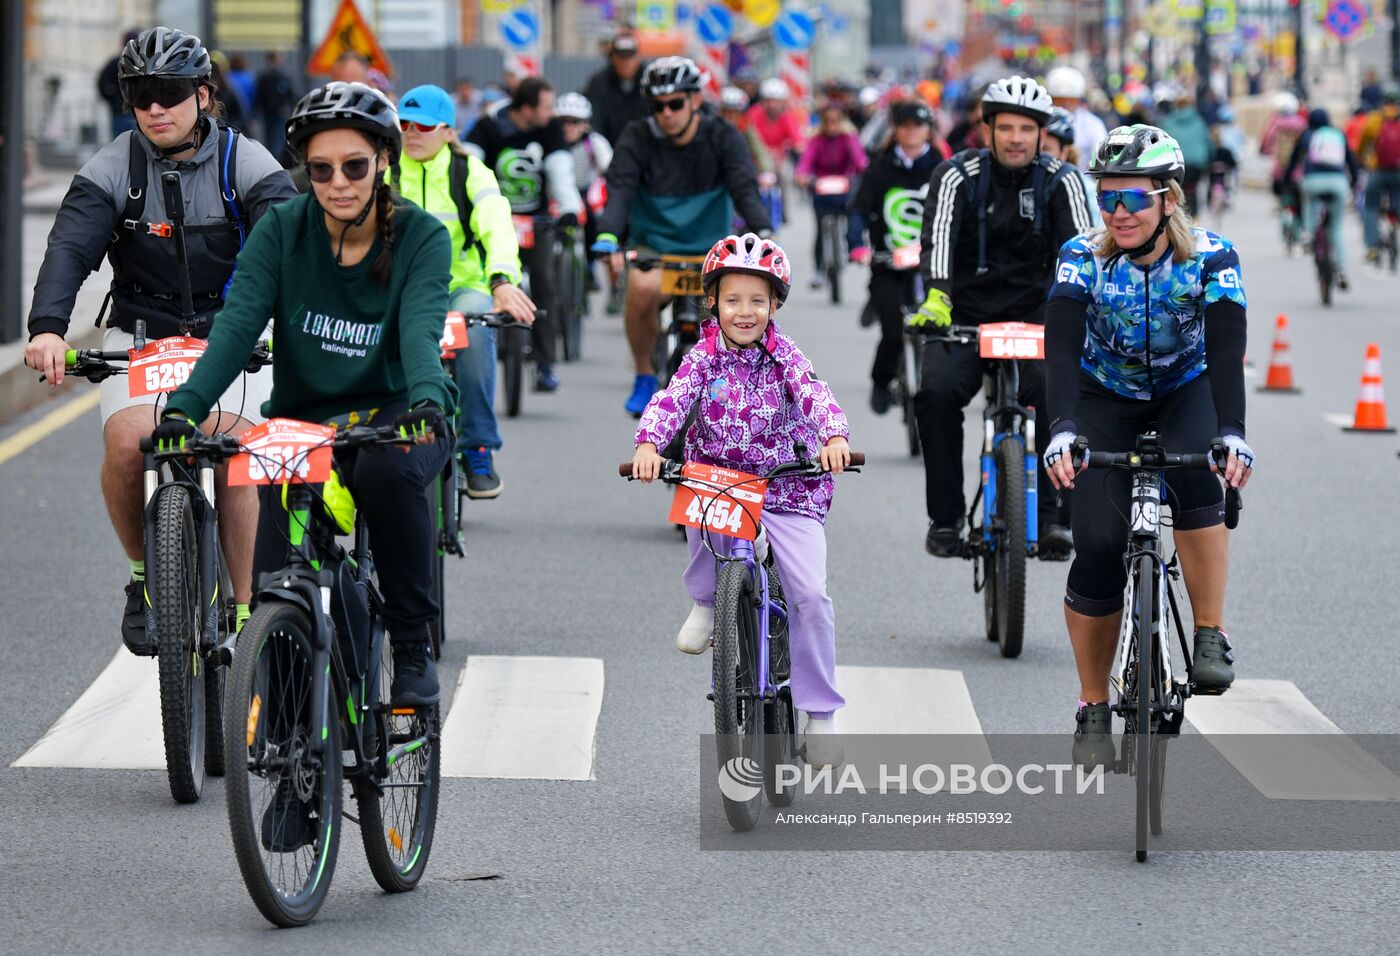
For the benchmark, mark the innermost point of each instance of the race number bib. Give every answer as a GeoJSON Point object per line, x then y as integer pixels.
{"type": "Point", "coordinates": [163, 365]}
{"type": "Point", "coordinates": [1011, 340]}
{"type": "Point", "coordinates": [282, 450]}
{"type": "Point", "coordinates": [905, 257]}
{"type": "Point", "coordinates": [454, 334]}
{"type": "Point", "coordinates": [721, 500]}
{"type": "Point", "coordinates": [831, 185]}
{"type": "Point", "coordinates": [525, 231]}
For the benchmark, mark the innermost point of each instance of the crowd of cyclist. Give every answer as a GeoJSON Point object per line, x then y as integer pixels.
{"type": "Point", "coordinates": [1026, 208]}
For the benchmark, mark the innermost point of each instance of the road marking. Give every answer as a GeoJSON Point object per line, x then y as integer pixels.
{"type": "Point", "coordinates": [114, 725]}
{"type": "Point", "coordinates": [1341, 421]}
{"type": "Point", "coordinates": [50, 423]}
{"type": "Point", "coordinates": [524, 718]}
{"type": "Point", "coordinates": [1304, 764]}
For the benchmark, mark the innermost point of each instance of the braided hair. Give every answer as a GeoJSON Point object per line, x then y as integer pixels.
{"type": "Point", "coordinates": [385, 199]}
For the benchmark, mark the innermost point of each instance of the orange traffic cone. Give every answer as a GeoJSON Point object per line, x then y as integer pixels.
{"type": "Point", "coordinates": [1280, 377]}
{"type": "Point", "coordinates": [1370, 405]}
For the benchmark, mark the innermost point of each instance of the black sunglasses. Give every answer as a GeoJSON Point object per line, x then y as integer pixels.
{"type": "Point", "coordinates": [168, 91]}
{"type": "Point", "coordinates": [354, 170]}
{"type": "Point", "coordinates": [675, 106]}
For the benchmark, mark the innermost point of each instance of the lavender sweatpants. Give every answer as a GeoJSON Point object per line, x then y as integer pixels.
{"type": "Point", "coordinates": [799, 547]}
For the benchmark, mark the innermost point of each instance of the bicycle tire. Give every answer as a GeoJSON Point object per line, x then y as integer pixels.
{"type": "Point", "coordinates": [832, 242]}
{"type": "Point", "coordinates": [512, 369]}
{"type": "Point", "coordinates": [661, 351]}
{"type": "Point", "coordinates": [908, 383]}
{"type": "Point", "coordinates": [1010, 543]}
{"type": "Point", "coordinates": [216, 680]}
{"type": "Point", "coordinates": [738, 736]}
{"type": "Point", "coordinates": [572, 325]}
{"type": "Point", "coordinates": [178, 625]}
{"type": "Point", "coordinates": [275, 645]}
{"type": "Point", "coordinates": [1142, 702]}
{"type": "Point", "coordinates": [398, 864]}
{"type": "Point", "coordinates": [1159, 783]}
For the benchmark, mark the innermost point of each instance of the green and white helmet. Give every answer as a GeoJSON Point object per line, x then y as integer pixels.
{"type": "Point", "coordinates": [1139, 150]}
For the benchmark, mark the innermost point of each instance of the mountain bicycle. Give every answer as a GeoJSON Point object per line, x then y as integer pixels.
{"type": "Point", "coordinates": [1006, 533]}
{"type": "Point", "coordinates": [310, 687]}
{"type": "Point", "coordinates": [189, 596]}
{"type": "Point", "coordinates": [755, 721]}
{"type": "Point", "coordinates": [680, 281]}
{"type": "Point", "coordinates": [831, 226]}
{"type": "Point", "coordinates": [1149, 697]}
{"type": "Point", "coordinates": [570, 289]}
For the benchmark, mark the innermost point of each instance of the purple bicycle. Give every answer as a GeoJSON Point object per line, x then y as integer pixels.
{"type": "Point", "coordinates": [755, 722]}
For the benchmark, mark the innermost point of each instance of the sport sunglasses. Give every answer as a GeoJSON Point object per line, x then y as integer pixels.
{"type": "Point", "coordinates": [1133, 200]}
{"type": "Point", "coordinates": [675, 105]}
{"type": "Point", "coordinates": [354, 170]}
{"type": "Point", "coordinates": [406, 125]}
{"type": "Point", "coordinates": [168, 91]}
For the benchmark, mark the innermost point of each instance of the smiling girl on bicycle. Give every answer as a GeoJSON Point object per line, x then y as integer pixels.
{"type": "Point", "coordinates": [1145, 330]}
{"type": "Point", "coordinates": [754, 395]}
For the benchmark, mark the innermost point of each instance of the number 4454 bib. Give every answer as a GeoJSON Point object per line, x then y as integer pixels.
{"type": "Point", "coordinates": [721, 500]}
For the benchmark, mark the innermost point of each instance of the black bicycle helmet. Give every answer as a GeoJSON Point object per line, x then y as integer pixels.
{"type": "Point", "coordinates": [340, 105]}
{"type": "Point", "coordinates": [1061, 125]}
{"type": "Point", "coordinates": [671, 74]}
{"type": "Point", "coordinates": [1139, 150]}
{"type": "Point", "coordinates": [162, 51]}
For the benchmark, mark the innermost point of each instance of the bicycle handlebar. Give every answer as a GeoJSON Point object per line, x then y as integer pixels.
{"type": "Point", "coordinates": [1153, 458]}
{"type": "Point", "coordinates": [96, 365]}
{"type": "Point", "coordinates": [499, 320]}
{"type": "Point", "coordinates": [806, 467]}
{"type": "Point", "coordinates": [647, 263]}
{"type": "Point", "coordinates": [220, 447]}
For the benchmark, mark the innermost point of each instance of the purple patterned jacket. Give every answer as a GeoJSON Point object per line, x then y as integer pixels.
{"type": "Point", "coordinates": [752, 409]}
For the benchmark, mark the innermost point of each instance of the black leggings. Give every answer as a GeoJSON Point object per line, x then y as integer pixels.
{"type": "Point", "coordinates": [890, 292]}
{"type": "Point", "coordinates": [1186, 422]}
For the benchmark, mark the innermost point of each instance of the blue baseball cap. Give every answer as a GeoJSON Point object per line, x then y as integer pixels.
{"type": "Point", "coordinates": [429, 105]}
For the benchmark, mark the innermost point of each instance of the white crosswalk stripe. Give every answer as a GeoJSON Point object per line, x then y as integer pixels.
{"type": "Point", "coordinates": [115, 724]}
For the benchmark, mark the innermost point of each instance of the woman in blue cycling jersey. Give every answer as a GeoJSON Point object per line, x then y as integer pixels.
{"type": "Point", "coordinates": [1145, 329]}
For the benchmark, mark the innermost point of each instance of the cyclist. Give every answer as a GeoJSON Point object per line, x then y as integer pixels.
{"type": "Point", "coordinates": [756, 395]}
{"type": "Point", "coordinates": [733, 102]}
{"type": "Point", "coordinates": [116, 207]}
{"type": "Point", "coordinates": [590, 150]}
{"type": "Point", "coordinates": [1330, 172]}
{"type": "Point", "coordinates": [993, 222]}
{"type": "Point", "coordinates": [436, 173]}
{"type": "Point", "coordinates": [1059, 144]}
{"type": "Point", "coordinates": [1069, 90]}
{"type": "Point", "coordinates": [1109, 380]}
{"type": "Point", "coordinates": [674, 182]}
{"type": "Point", "coordinates": [1380, 144]}
{"type": "Point", "coordinates": [1277, 140]}
{"type": "Point", "coordinates": [525, 148]}
{"type": "Point", "coordinates": [780, 125]}
{"type": "Point", "coordinates": [834, 150]}
{"type": "Point", "coordinates": [890, 202]}
{"type": "Point", "coordinates": [356, 281]}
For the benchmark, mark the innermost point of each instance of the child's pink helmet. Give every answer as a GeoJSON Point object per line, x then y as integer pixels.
{"type": "Point", "coordinates": [752, 255]}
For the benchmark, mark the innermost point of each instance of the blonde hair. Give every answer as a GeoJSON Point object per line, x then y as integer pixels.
{"type": "Point", "coordinates": [1179, 229]}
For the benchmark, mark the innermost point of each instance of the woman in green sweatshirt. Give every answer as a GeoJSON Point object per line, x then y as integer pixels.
{"type": "Point", "coordinates": [356, 281]}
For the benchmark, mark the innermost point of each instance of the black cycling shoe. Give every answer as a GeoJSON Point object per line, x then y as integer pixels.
{"type": "Point", "coordinates": [134, 634]}
{"type": "Point", "coordinates": [286, 823]}
{"type": "Point", "coordinates": [1211, 670]}
{"type": "Point", "coordinates": [415, 676]}
{"type": "Point", "coordinates": [1093, 735]}
{"type": "Point", "coordinates": [880, 399]}
{"type": "Point", "coordinates": [944, 541]}
{"type": "Point", "coordinates": [1055, 543]}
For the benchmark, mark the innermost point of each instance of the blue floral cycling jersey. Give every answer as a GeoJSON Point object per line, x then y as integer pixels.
{"type": "Point", "coordinates": [1116, 348]}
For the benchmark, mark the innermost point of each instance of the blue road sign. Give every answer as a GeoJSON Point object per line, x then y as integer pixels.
{"type": "Point", "coordinates": [520, 29]}
{"type": "Point", "coordinates": [714, 25]}
{"type": "Point", "coordinates": [794, 30]}
{"type": "Point", "coordinates": [1345, 17]}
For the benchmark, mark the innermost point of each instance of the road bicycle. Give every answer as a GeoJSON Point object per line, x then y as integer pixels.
{"type": "Point", "coordinates": [1324, 257]}
{"type": "Point", "coordinates": [1006, 533]}
{"type": "Point", "coordinates": [680, 281]}
{"type": "Point", "coordinates": [570, 290]}
{"type": "Point", "coordinates": [1148, 694]}
{"type": "Point", "coordinates": [310, 688]}
{"type": "Point", "coordinates": [905, 259]}
{"type": "Point", "coordinates": [831, 226]}
{"type": "Point", "coordinates": [750, 687]}
{"type": "Point", "coordinates": [189, 596]}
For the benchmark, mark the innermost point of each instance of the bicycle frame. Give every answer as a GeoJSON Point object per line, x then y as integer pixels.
{"type": "Point", "coordinates": [742, 551]}
{"type": "Point", "coordinates": [1002, 418]}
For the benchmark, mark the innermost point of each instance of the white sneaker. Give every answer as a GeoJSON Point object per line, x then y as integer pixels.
{"type": "Point", "coordinates": [821, 744]}
{"type": "Point", "coordinates": [695, 633]}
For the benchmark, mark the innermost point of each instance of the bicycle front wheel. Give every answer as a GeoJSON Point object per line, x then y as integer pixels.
{"type": "Point", "coordinates": [283, 781]}
{"type": "Point", "coordinates": [1010, 556]}
{"type": "Point", "coordinates": [738, 712]}
{"type": "Point", "coordinates": [512, 369]}
{"type": "Point", "coordinates": [178, 624]}
{"type": "Point", "coordinates": [1141, 728]}
{"type": "Point", "coordinates": [908, 385]}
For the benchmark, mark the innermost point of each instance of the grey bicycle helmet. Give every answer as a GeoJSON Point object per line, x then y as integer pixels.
{"type": "Point", "coordinates": [1017, 94]}
{"type": "Point", "coordinates": [733, 98]}
{"type": "Point", "coordinates": [1139, 150]}
{"type": "Point", "coordinates": [340, 105]}
{"type": "Point", "coordinates": [1061, 125]}
{"type": "Point", "coordinates": [162, 51]}
{"type": "Point", "coordinates": [671, 74]}
{"type": "Point", "coordinates": [573, 106]}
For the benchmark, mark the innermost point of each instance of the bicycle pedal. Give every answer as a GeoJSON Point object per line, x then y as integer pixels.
{"type": "Point", "coordinates": [1197, 691]}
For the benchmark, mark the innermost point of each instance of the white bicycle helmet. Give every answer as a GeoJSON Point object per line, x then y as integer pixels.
{"type": "Point", "coordinates": [1285, 103]}
{"type": "Point", "coordinates": [1065, 82]}
{"type": "Point", "coordinates": [869, 96]}
{"type": "Point", "coordinates": [773, 88]}
{"type": "Point", "coordinates": [733, 98]}
{"type": "Point", "coordinates": [1017, 94]}
{"type": "Point", "coordinates": [573, 106]}
{"type": "Point", "coordinates": [750, 255]}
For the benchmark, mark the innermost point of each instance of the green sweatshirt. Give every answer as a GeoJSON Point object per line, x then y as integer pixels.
{"type": "Point", "coordinates": [343, 342]}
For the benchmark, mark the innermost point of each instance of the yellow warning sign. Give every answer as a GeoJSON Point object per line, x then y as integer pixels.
{"type": "Point", "coordinates": [500, 6]}
{"type": "Point", "coordinates": [349, 33]}
{"type": "Point", "coordinates": [762, 13]}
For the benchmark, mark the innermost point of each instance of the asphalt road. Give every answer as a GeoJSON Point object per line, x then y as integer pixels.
{"type": "Point", "coordinates": [573, 562]}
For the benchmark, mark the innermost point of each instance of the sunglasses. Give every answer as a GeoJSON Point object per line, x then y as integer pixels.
{"type": "Point", "coordinates": [674, 106]}
{"type": "Point", "coordinates": [1133, 200]}
{"type": "Point", "coordinates": [142, 92]}
{"type": "Point", "coordinates": [406, 125]}
{"type": "Point", "coordinates": [354, 170]}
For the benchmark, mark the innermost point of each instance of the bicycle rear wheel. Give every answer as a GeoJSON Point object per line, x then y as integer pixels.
{"type": "Point", "coordinates": [738, 713]}
{"type": "Point", "coordinates": [512, 349]}
{"type": "Point", "coordinates": [399, 815]}
{"type": "Point", "coordinates": [1141, 701]}
{"type": "Point", "coordinates": [908, 385]}
{"type": "Point", "coordinates": [831, 235]}
{"type": "Point", "coordinates": [1010, 541]}
{"type": "Point", "coordinates": [571, 322]}
{"type": "Point", "coordinates": [661, 351]}
{"type": "Point", "coordinates": [283, 785]}
{"type": "Point", "coordinates": [179, 623]}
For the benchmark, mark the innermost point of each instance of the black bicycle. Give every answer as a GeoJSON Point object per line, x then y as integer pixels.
{"type": "Point", "coordinates": [311, 683]}
{"type": "Point", "coordinates": [570, 289]}
{"type": "Point", "coordinates": [680, 280]}
{"type": "Point", "coordinates": [1150, 698]}
{"type": "Point", "coordinates": [831, 227]}
{"type": "Point", "coordinates": [906, 383]}
{"type": "Point", "coordinates": [1324, 258]}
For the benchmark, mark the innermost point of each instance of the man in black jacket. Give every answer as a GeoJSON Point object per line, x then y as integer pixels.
{"type": "Point", "coordinates": [615, 91]}
{"type": "Point", "coordinates": [994, 222]}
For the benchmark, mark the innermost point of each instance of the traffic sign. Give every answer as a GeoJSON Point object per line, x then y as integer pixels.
{"type": "Point", "coordinates": [1220, 17]}
{"type": "Point", "coordinates": [715, 24]}
{"type": "Point", "coordinates": [794, 30]}
{"type": "Point", "coordinates": [656, 16]}
{"type": "Point", "coordinates": [1345, 19]}
{"type": "Point", "coordinates": [520, 29]}
{"type": "Point", "coordinates": [349, 33]}
{"type": "Point", "coordinates": [762, 13]}
{"type": "Point", "coordinates": [499, 6]}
